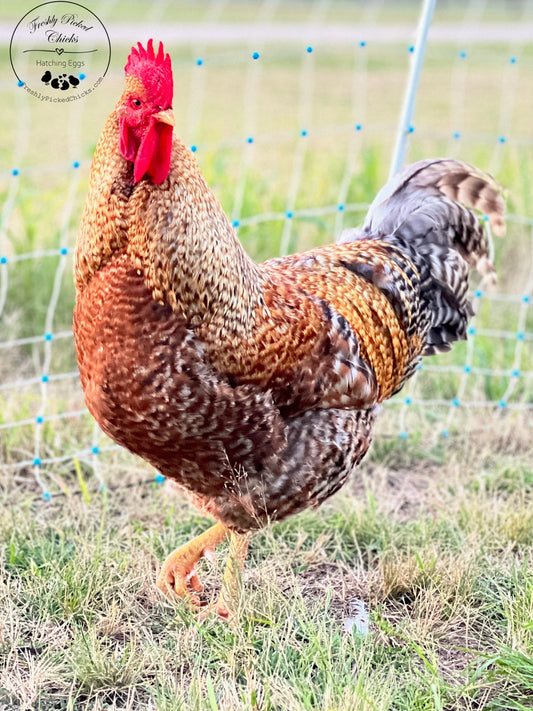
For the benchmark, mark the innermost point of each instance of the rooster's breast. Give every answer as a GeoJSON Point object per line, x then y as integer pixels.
{"type": "Point", "coordinates": [152, 389]}
{"type": "Point", "coordinates": [143, 373]}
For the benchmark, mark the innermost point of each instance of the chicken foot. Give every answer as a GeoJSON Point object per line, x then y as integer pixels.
{"type": "Point", "coordinates": [178, 574]}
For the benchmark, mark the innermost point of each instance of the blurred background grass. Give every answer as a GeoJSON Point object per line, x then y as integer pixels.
{"type": "Point", "coordinates": [308, 133]}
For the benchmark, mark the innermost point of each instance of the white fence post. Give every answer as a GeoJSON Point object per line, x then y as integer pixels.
{"type": "Point", "coordinates": [404, 127]}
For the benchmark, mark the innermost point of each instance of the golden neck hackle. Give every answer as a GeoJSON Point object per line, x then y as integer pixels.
{"type": "Point", "coordinates": [188, 252]}
{"type": "Point", "coordinates": [103, 229]}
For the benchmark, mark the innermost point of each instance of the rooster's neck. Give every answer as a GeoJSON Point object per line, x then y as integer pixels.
{"type": "Point", "coordinates": [103, 231]}
{"type": "Point", "coordinates": [181, 240]}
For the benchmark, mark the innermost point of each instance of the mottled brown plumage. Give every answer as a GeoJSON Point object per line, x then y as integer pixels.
{"type": "Point", "coordinates": [255, 387]}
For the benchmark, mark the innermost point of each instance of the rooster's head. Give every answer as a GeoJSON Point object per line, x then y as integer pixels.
{"type": "Point", "coordinates": [145, 113]}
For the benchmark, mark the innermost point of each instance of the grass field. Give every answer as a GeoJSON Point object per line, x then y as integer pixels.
{"type": "Point", "coordinates": [434, 534]}
{"type": "Point", "coordinates": [437, 543]}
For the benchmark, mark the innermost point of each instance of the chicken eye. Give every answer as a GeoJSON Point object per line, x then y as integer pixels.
{"type": "Point", "coordinates": [136, 102]}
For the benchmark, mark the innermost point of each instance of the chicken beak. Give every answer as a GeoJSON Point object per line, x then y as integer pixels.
{"type": "Point", "coordinates": [166, 116]}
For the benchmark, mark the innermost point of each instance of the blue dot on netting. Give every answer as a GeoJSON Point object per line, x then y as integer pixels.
{"type": "Point", "coordinates": [15, 171]}
{"type": "Point", "coordinates": [20, 82]}
{"type": "Point", "coordinates": [340, 208]}
{"type": "Point", "coordinates": [48, 336]}
{"type": "Point", "coordinates": [403, 435]}
{"type": "Point", "coordinates": [467, 368]}
{"type": "Point", "coordinates": [303, 132]}
{"type": "Point", "coordinates": [526, 298]}
{"type": "Point", "coordinates": [471, 330]}
{"type": "Point", "coordinates": [309, 49]}
{"type": "Point", "coordinates": [63, 251]}
{"type": "Point", "coordinates": [102, 487]}
{"type": "Point", "coordinates": [194, 149]}
{"type": "Point", "coordinates": [81, 76]}
{"type": "Point", "coordinates": [362, 43]}
{"type": "Point", "coordinates": [420, 366]}
{"type": "Point", "coordinates": [159, 478]}
{"type": "Point", "coordinates": [250, 139]}
{"type": "Point", "coordinates": [515, 373]}
{"type": "Point", "coordinates": [444, 433]}
{"type": "Point", "coordinates": [412, 48]}
{"type": "Point", "coordinates": [44, 378]}
{"type": "Point", "coordinates": [76, 164]}
{"type": "Point", "coordinates": [502, 139]}
{"type": "Point", "coordinates": [408, 401]}
{"type": "Point", "coordinates": [95, 450]}
{"type": "Point", "coordinates": [456, 402]}
{"type": "Point", "coordinates": [235, 223]}
{"type": "Point", "coordinates": [47, 496]}
{"type": "Point", "coordinates": [39, 419]}
{"type": "Point", "coordinates": [502, 403]}
{"type": "Point", "coordinates": [255, 55]}
{"type": "Point", "coordinates": [478, 293]}
{"type": "Point", "coordinates": [37, 462]}
{"type": "Point", "coordinates": [199, 62]}
{"type": "Point", "coordinates": [462, 54]}
{"type": "Point", "coordinates": [456, 134]}
{"type": "Point", "coordinates": [358, 127]}
{"type": "Point", "coordinates": [520, 335]}
{"type": "Point", "coordinates": [3, 260]}
{"type": "Point", "coordinates": [411, 129]}
{"type": "Point", "coordinates": [513, 60]}
{"type": "Point", "coordinates": [289, 214]}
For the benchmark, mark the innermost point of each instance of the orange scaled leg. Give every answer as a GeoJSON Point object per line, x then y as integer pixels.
{"type": "Point", "coordinates": [178, 574]}
{"type": "Point", "coordinates": [228, 600]}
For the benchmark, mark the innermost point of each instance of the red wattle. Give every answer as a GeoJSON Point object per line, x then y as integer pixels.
{"type": "Point", "coordinates": [129, 144]}
{"type": "Point", "coordinates": [153, 154]}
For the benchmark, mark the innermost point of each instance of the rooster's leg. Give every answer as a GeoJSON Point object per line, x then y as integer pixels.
{"type": "Point", "coordinates": [178, 573]}
{"type": "Point", "coordinates": [227, 604]}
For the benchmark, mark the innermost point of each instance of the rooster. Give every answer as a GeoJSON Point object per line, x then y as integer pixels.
{"type": "Point", "coordinates": [255, 387]}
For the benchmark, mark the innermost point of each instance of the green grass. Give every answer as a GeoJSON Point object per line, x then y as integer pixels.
{"type": "Point", "coordinates": [294, 11]}
{"type": "Point", "coordinates": [438, 546]}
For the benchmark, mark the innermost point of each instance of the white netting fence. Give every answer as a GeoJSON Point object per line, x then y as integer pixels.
{"type": "Point", "coordinates": [292, 109]}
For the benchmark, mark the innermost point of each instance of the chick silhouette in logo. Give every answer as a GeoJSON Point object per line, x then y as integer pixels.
{"type": "Point", "coordinates": [60, 82]}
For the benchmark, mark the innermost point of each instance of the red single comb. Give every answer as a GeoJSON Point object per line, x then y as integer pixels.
{"type": "Point", "coordinates": [142, 55]}
{"type": "Point", "coordinates": [155, 71]}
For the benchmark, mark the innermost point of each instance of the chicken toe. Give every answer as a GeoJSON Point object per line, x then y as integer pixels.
{"type": "Point", "coordinates": [178, 574]}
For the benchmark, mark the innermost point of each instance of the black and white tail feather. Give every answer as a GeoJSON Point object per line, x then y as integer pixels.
{"type": "Point", "coordinates": [430, 211]}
